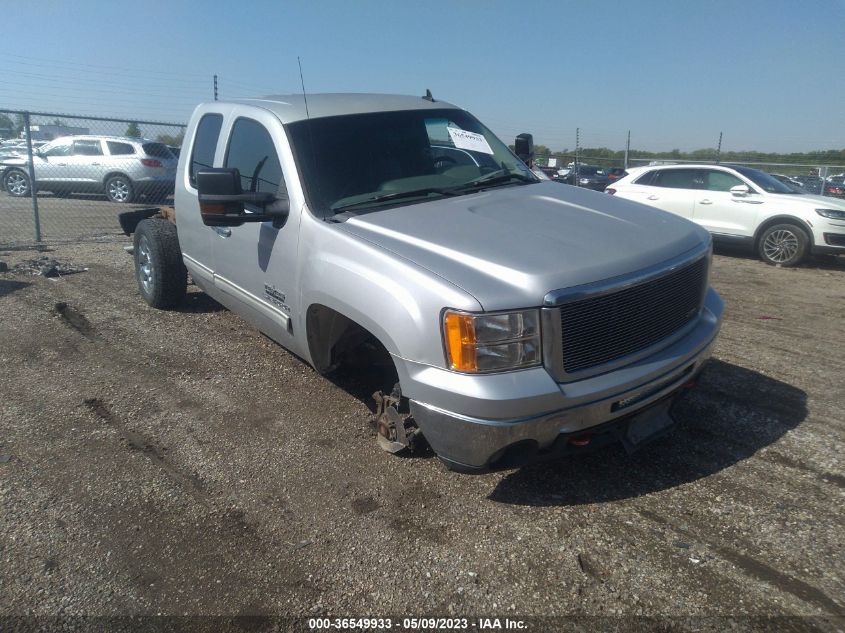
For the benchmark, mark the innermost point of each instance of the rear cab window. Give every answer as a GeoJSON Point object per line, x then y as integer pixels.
{"type": "Point", "coordinates": [205, 144]}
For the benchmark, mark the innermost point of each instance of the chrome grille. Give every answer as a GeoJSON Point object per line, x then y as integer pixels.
{"type": "Point", "coordinates": [598, 330]}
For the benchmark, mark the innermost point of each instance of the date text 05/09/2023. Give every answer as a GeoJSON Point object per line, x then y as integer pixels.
{"type": "Point", "coordinates": [418, 624]}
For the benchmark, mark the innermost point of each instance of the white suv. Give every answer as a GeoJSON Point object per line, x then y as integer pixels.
{"type": "Point", "coordinates": [743, 205]}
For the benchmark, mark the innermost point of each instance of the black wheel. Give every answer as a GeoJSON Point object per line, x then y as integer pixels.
{"type": "Point", "coordinates": [783, 245]}
{"type": "Point", "coordinates": [16, 183]}
{"type": "Point", "coordinates": [162, 277]}
{"type": "Point", "coordinates": [119, 189]}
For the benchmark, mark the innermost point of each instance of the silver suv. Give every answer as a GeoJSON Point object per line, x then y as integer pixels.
{"type": "Point", "coordinates": [120, 167]}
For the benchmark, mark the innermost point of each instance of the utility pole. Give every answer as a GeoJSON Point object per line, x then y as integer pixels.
{"type": "Point", "coordinates": [719, 149]}
{"type": "Point", "coordinates": [577, 146]}
{"type": "Point", "coordinates": [215, 87]}
{"type": "Point", "coordinates": [627, 149]}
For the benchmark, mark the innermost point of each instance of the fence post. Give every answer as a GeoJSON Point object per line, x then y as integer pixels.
{"type": "Point", "coordinates": [32, 193]}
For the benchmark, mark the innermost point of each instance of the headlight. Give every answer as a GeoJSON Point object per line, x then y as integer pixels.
{"type": "Point", "coordinates": [833, 214]}
{"type": "Point", "coordinates": [478, 343]}
{"type": "Point", "coordinates": [584, 181]}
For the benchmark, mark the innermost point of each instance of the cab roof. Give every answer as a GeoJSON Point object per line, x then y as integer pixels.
{"type": "Point", "coordinates": [291, 108]}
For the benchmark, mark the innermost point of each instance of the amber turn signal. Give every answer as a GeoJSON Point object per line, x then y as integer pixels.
{"type": "Point", "coordinates": [460, 341]}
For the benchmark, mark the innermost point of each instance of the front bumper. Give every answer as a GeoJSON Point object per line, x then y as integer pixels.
{"type": "Point", "coordinates": [479, 420]}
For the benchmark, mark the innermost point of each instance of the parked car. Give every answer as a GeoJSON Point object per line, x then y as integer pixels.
{"type": "Point", "coordinates": [615, 173]}
{"type": "Point", "coordinates": [587, 176]}
{"type": "Point", "coordinates": [811, 184]}
{"type": "Point", "coordinates": [120, 167]}
{"type": "Point", "coordinates": [523, 319]}
{"type": "Point", "coordinates": [835, 188]}
{"type": "Point", "coordinates": [790, 181]}
{"type": "Point", "coordinates": [742, 204]}
{"type": "Point", "coordinates": [174, 150]}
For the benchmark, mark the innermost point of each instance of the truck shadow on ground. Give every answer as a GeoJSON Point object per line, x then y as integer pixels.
{"type": "Point", "coordinates": [199, 303]}
{"type": "Point", "coordinates": [731, 414]}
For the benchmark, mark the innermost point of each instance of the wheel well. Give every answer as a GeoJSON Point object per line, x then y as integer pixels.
{"type": "Point", "coordinates": [782, 219]}
{"type": "Point", "coordinates": [113, 174]}
{"type": "Point", "coordinates": [335, 340]}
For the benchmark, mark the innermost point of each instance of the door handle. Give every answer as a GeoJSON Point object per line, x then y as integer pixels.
{"type": "Point", "coordinates": [97, 164]}
{"type": "Point", "coordinates": [653, 197]}
{"type": "Point", "coordinates": [705, 201]}
{"type": "Point", "coordinates": [62, 164]}
{"type": "Point", "coordinates": [223, 232]}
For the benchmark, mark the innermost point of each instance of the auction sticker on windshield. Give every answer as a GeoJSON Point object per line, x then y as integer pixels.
{"type": "Point", "coordinates": [469, 140]}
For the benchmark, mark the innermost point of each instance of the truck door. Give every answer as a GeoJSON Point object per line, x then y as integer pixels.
{"type": "Point", "coordinates": [255, 263]}
{"type": "Point", "coordinates": [195, 238]}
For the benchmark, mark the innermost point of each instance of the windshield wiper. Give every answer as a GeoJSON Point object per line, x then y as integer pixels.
{"type": "Point", "coordinates": [494, 178]}
{"type": "Point", "coordinates": [396, 195]}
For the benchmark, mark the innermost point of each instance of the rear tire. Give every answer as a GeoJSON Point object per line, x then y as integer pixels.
{"type": "Point", "coordinates": [119, 189]}
{"type": "Point", "coordinates": [783, 245]}
{"type": "Point", "coordinates": [159, 269]}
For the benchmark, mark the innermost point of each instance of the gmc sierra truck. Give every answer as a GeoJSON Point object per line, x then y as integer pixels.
{"type": "Point", "coordinates": [524, 318]}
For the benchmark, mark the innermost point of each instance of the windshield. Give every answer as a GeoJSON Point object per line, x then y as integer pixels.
{"type": "Point", "coordinates": [767, 183]}
{"type": "Point", "coordinates": [367, 161]}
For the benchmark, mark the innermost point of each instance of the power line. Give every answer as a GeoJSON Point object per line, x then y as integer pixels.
{"type": "Point", "coordinates": [54, 62]}
{"type": "Point", "coordinates": [168, 84]}
{"type": "Point", "coordinates": [86, 90]}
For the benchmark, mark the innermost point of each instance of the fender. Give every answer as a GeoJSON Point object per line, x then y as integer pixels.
{"type": "Point", "coordinates": [396, 300]}
{"type": "Point", "coordinates": [787, 219]}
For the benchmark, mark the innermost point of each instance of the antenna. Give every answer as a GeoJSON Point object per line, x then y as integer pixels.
{"type": "Point", "coordinates": [302, 81]}
{"type": "Point", "coordinates": [308, 117]}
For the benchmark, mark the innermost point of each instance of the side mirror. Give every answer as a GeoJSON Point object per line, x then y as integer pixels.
{"type": "Point", "coordinates": [222, 200]}
{"type": "Point", "coordinates": [524, 147]}
{"type": "Point", "coordinates": [740, 191]}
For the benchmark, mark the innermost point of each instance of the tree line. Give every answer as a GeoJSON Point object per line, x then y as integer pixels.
{"type": "Point", "coordinates": [817, 157]}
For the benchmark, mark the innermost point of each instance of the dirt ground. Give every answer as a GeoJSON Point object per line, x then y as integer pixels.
{"type": "Point", "coordinates": [180, 463]}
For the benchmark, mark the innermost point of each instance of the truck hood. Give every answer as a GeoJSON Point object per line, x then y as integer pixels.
{"type": "Point", "coordinates": [508, 247]}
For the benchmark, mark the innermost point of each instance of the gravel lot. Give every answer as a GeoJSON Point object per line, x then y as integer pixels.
{"type": "Point", "coordinates": [180, 463]}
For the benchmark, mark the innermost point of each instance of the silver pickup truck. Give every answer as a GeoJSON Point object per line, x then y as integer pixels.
{"type": "Point", "coordinates": [524, 318]}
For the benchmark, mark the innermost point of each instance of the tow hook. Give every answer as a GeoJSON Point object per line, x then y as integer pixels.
{"type": "Point", "coordinates": [394, 431]}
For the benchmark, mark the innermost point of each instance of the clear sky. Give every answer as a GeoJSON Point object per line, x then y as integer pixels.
{"type": "Point", "coordinates": [766, 73]}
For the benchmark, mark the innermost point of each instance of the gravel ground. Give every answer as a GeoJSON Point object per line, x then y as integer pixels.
{"type": "Point", "coordinates": [180, 463]}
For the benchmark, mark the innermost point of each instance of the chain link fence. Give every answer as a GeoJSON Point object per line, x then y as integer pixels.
{"type": "Point", "coordinates": [811, 178]}
{"type": "Point", "coordinates": [84, 171]}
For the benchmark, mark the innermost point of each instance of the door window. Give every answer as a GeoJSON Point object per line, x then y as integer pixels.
{"type": "Point", "coordinates": [720, 181]}
{"type": "Point", "coordinates": [677, 179]}
{"type": "Point", "coordinates": [57, 149]}
{"type": "Point", "coordinates": [119, 149]}
{"type": "Point", "coordinates": [87, 147]}
{"type": "Point", "coordinates": [205, 144]}
{"type": "Point", "coordinates": [252, 152]}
